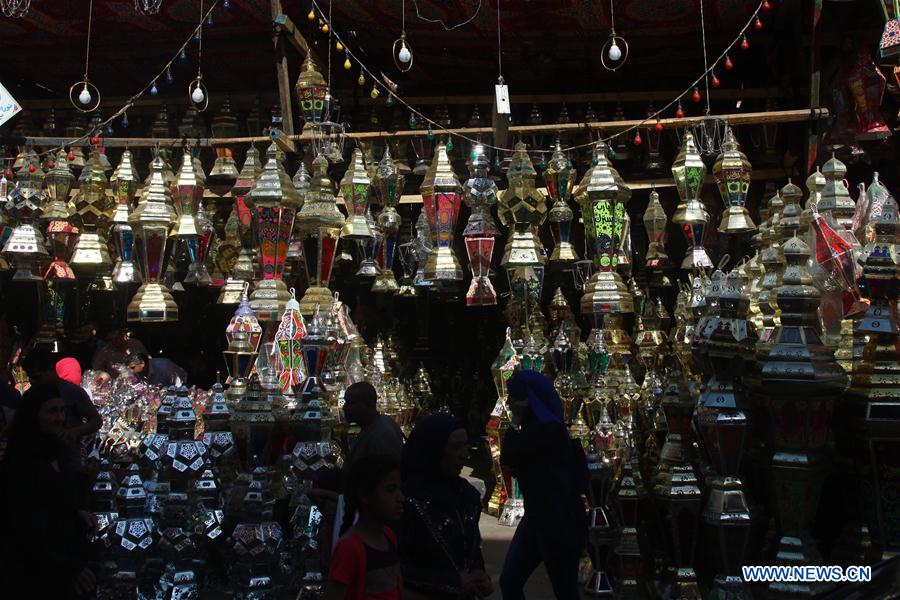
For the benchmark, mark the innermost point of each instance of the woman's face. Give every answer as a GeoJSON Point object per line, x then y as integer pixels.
{"type": "Point", "coordinates": [52, 415]}
{"type": "Point", "coordinates": [456, 452]}
{"type": "Point", "coordinates": [386, 500]}
{"type": "Point", "coordinates": [518, 405]}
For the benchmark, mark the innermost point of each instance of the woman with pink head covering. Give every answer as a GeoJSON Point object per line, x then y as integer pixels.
{"type": "Point", "coordinates": [69, 370]}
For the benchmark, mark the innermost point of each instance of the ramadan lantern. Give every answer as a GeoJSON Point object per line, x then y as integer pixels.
{"type": "Point", "coordinates": [560, 179]}
{"type": "Point", "coordinates": [441, 198]}
{"type": "Point", "coordinates": [92, 214]}
{"type": "Point", "coordinates": [124, 187]}
{"type": "Point", "coordinates": [58, 216]}
{"type": "Point", "coordinates": [242, 267]}
{"type": "Point", "coordinates": [689, 172]}
{"type": "Point", "coordinates": [152, 221]}
{"type": "Point", "coordinates": [836, 199]}
{"type": "Point", "coordinates": [288, 339]}
{"type": "Point", "coordinates": [354, 189]}
{"type": "Point", "coordinates": [732, 172]}
{"type": "Point", "coordinates": [273, 202]}
{"type": "Point", "coordinates": [867, 84]}
{"type": "Point", "coordinates": [26, 244]}
{"type": "Point", "coordinates": [388, 184]}
{"type": "Point", "coordinates": [312, 93]}
{"type": "Point", "coordinates": [320, 224]}
{"type": "Point", "coordinates": [480, 194]}
{"type": "Point", "coordinates": [243, 335]}
{"type": "Point", "coordinates": [188, 192]}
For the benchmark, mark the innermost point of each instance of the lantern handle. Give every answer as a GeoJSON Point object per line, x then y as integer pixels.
{"type": "Point", "coordinates": [293, 294]}
{"type": "Point", "coordinates": [723, 262]}
{"type": "Point", "coordinates": [246, 288]}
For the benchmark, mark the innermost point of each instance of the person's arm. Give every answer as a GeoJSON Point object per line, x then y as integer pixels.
{"type": "Point", "coordinates": [86, 410]}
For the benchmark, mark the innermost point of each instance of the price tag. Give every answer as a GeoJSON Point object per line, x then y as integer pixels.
{"type": "Point", "coordinates": [502, 99]}
{"type": "Point", "coordinates": [9, 107]}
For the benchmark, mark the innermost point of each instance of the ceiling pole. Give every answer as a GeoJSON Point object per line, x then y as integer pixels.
{"type": "Point", "coordinates": [815, 75]}
{"type": "Point", "coordinates": [281, 68]}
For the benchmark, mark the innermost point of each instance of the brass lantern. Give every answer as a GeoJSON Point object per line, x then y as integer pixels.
{"type": "Point", "coordinates": [92, 214]}
{"type": "Point", "coordinates": [273, 202]}
{"type": "Point", "coordinates": [319, 225]}
{"type": "Point", "coordinates": [441, 199]}
{"type": "Point", "coordinates": [354, 189]}
{"type": "Point", "coordinates": [312, 93]}
{"type": "Point", "coordinates": [58, 217]}
{"type": "Point", "coordinates": [224, 172]}
{"type": "Point", "coordinates": [124, 187]}
{"type": "Point", "coordinates": [732, 172]}
{"type": "Point", "coordinates": [836, 198]}
{"type": "Point", "coordinates": [655, 222]}
{"type": "Point", "coordinates": [480, 193]}
{"type": "Point", "coordinates": [26, 244]}
{"type": "Point", "coordinates": [560, 179]}
{"type": "Point", "coordinates": [603, 195]}
{"type": "Point", "coordinates": [388, 184]}
{"type": "Point", "coordinates": [152, 221]}
{"type": "Point", "coordinates": [689, 172]}
{"type": "Point", "coordinates": [242, 266]}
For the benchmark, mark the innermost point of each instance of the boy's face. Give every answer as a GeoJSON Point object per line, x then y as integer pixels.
{"type": "Point", "coordinates": [386, 501]}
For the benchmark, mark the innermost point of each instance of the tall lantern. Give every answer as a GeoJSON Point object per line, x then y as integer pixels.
{"type": "Point", "coordinates": [732, 172]}
{"type": "Point", "coordinates": [388, 183]}
{"type": "Point", "coordinates": [655, 222]}
{"type": "Point", "coordinates": [124, 187]}
{"type": "Point", "coordinates": [320, 224]}
{"type": "Point", "coordinates": [441, 198]}
{"type": "Point", "coordinates": [26, 244]}
{"type": "Point", "coordinates": [224, 172]}
{"type": "Point", "coordinates": [152, 221]}
{"type": "Point", "coordinates": [312, 93]}
{"type": "Point", "coordinates": [242, 267]}
{"type": "Point", "coordinates": [603, 196]}
{"type": "Point", "coordinates": [480, 193]}
{"type": "Point", "coordinates": [273, 202]}
{"type": "Point", "coordinates": [689, 172]}
{"type": "Point", "coordinates": [188, 191]}
{"type": "Point", "coordinates": [354, 189]}
{"type": "Point", "coordinates": [58, 216]}
{"type": "Point", "coordinates": [92, 215]}
{"type": "Point", "coordinates": [560, 179]}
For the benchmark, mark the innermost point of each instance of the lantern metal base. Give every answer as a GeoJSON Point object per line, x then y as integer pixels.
{"type": "Point", "coordinates": [696, 257]}
{"type": "Point", "coordinates": [125, 273]}
{"type": "Point", "coordinates": [368, 269]}
{"type": "Point", "coordinates": [564, 252]}
{"type": "Point", "coordinates": [198, 274]}
{"type": "Point", "coordinates": [90, 253]}
{"type": "Point", "coordinates": [736, 219]}
{"type": "Point", "coordinates": [443, 265]}
{"type": "Point", "coordinates": [152, 303]}
{"type": "Point", "coordinates": [599, 586]}
{"type": "Point", "coordinates": [232, 291]}
{"type": "Point", "coordinates": [268, 299]}
{"type": "Point", "coordinates": [605, 292]}
{"type": "Point", "coordinates": [243, 267]}
{"type": "Point", "coordinates": [385, 283]}
{"type": "Point", "coordinates": [315, 296]}
{"type": "Point", "coordinates": [25, 266]}
{"type": "Point", "coordinates": [407, 291]}
{"type": "Point", "coordinates": [356, 228]}
{"type": "Point", "coordinates": [481, 292]}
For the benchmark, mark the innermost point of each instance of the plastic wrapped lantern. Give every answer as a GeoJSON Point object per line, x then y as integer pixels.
{"type": "Point", "coordinates": [288, 337]}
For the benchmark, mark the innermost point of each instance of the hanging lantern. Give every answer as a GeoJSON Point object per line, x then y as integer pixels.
{"type": "Point", "coordinates": [523, 209]}
{"type": "Point", "coordinates": [603, 196]}
{"type": "Point", "coordinates": [124, 187]}
{"type": "Point", "coordinates": [655, 222]}
{"type": "Point", "coordinates": [319, 225]}
{"type": "Point", "coordinates": [689, 172]}
{"type": "Point", "coordinates": [312, 93]}
{"type": "Point", "coordinates": [732, 172]}
{"type": "Point", "coordinates": [198, 250]}
{"type": "Point", "coordinates": [388, 184]}
{"type": "Point", "coordinates": [440, 199]}
{"type": "Point", "coordinates": [560, 179]}
{"type": "Point", "coordinates": [273, 203]}
{"type": "Point", "coordinates": [25, 244]}
{"type": "Point", "coordinates": [480, 194]}
{"type": "Point", "coordinates": [288, 338]}
{"type": "Point", "coordinates": [836, 199]}
{"type": "Point", "coordinates": [368, 249]}
{"type": "Point", "coordinates": [243, 334]}
{"type": "Point", "coordinates": [58, 215]}
{"type": "Point", "coordinates": [354, 189]}
{"type": "Point", "coordinates": [152, 221]}
{"type": "Point", "coordinates": [242, 268]}
{"type": "Point", "coordinates": [92, 215]}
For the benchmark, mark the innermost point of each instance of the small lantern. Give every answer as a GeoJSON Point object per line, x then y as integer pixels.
{"type": "Point", "coordinates": [354, 189]}
{"type": "Point", "coordinates": [312, 93]}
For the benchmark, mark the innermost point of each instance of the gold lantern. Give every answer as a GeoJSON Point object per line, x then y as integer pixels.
{"type": "Point", "coordinates": [689, 172]}
{"type": "Point", "coordinates": [354, 189]}
{"type": "Point", "coordinates": [124, 187]}
{"type": "Point", "coordinates": [242, 267]}
{"type": "Point", "coordinates": [441, 199]}
{"type": "Point", "coordinates": [560, 179]}
{"type": "Point", "coordinates": [388, 184]}
{"type": "Point", "coordinates": [26, 244]}
{"type": "Point", "coordinates": [732, 172]}
{"type": "Point", "coordinates": [92, 215]}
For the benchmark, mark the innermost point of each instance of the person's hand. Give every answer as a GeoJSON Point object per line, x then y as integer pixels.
{"type": "Point", "coordinates": [84, 582]}
{"type": "Point", "coordinates": [89, 520]}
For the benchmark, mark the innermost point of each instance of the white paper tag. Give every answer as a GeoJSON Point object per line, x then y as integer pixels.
{"type": "Point", "coordinates": [9, 107]}
{"type": "Point", "coordinates": [502, 99]}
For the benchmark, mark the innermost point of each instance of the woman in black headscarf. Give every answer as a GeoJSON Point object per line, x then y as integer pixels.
{"type": "Point", "coordinates": [551, 471]}
{"type": "Point", "coordinates": [45, 524]}
{"type": "Point", "coordinates": [440, 544]}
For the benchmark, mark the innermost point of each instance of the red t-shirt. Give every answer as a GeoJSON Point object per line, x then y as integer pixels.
{"type": "Point", "coordinates": [369, 574]}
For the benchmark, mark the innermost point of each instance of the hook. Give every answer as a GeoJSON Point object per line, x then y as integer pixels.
{"type": "Point", "coordinates": [723, 262]}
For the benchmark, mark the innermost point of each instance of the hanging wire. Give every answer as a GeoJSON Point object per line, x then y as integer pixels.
{"type": "Point", "coordinates": [452, 27]}
{"type": "Point", "coordinates": [499, 46]}
{"type": "Point", "coordinates": [200, 41]}
{"type": "Point", "coordinates": [705, 61]}
{"type": "Point", "coordinates": [87, 52]}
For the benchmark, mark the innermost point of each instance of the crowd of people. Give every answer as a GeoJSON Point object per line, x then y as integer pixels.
{"type": "Point", "coordinates": [410, 525]}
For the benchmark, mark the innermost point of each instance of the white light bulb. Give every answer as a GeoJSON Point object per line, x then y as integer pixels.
{"type": "Point", "coordinates": [614, 52]}
{"type": "Point", "coordinates": [85, 96]}
{"type": "Point", "coordinates": [404, 55]}
{"type": "Point", "coordinates": [197, 95]}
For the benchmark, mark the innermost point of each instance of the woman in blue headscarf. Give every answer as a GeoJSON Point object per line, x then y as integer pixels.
{"type": "Point", "coordinates": [552, 473]}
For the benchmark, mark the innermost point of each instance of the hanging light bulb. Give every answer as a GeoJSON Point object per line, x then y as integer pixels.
{"type": "Point", "coordinates": [404, 55]}
{"type": "Point", "coordinates": [361, 80]}
{"type": "Point", "coordinates": [347, 63]}
{"type": "Point", "coordinates": [125, 120]}
{"type": "Point", "coordinates": [374, 92]}
{"type": "Point", "coordinates": [197, 35]}
{"type": "Point", "coordinates": [153, 89]}
{"type": "Point", "coordinates": [767, 6]}
{"type": "Point", "coordinates": [169, 77]}
{"type": "Point", "coordinates": [325, 28]}
{"type": "Point", "coordinates": [745, 45]}
{"type": "Point", "coordinates": [615, 53]}
{"type": "Point", "coordinates": [85, 96]}
{"type": "Point", "coordinates": [390, 101]}
{"type": "Point", "coordinates": [679, 113]}
{"type": "Point", "coordinates": [183, 56]}
{"type": "Point", "coordinates": [197, 95]}
{"type": "Point", "coordinates": [312, 15]}
{"type": "Point", "coordinates": [637, 139]}
{"type": "Point", "coordinates": [209, 20]}
{"type": "Point", "coordinates": [696, 95]}
{"type": "Point", "coordinates": [758, 25]}
{"type": "Point", "coordinates": [226, 5]}
{"type": "Point", "coordinates": [339, 46]}
{"type": "Point", "coordinates": [728, 64]}
{"type": "Point", "coordinates": [715, 81]}
{"type": "Point", "coordinates": [659, 126]}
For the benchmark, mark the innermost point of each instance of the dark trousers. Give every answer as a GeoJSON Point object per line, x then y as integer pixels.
{"type": "Point", "coordinates": [527, 550]}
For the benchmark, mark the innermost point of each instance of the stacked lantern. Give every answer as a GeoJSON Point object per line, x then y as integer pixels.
{"type": "Point", "coordinates": [273, 202]}
{"type": "Point", "coordinates": [388, 184]}
{"type": "Point", "coordinates": [243, 335]}
{"type": "Point", "coordinates": [480, 194]}
{"type": "Point", "coordinates": [560, 179]}
{"type": "Point", "coordinates": [152, 222]}
{"type": "Point", "coordinates": [58, 216]}
{"type": "Point", "coordinates": [319, 224]}
{"type": "Point", "coordinates": [689, 172]}
{"type": "Point", "coordinates": [441, 199]}
{"type": "Point", "coordinates": [124, 187]}
{"type": "Point", "coordinates": [188, 193]}
{"type": "Point", "coordinates": [26, 244]}
{"type": "Point", "coordinates": [239, 223]}
{"type": "Point", "coordinates": [92, 214]}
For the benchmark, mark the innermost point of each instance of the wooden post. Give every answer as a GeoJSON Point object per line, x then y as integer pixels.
{"type": "Point", "coordinates": [815, 75]}
{"type": "Point", "coordinates": [281, 68]}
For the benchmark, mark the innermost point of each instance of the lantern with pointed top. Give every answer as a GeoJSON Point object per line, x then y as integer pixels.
{"type": "Point", "coordinates": [312, 93]}
{"type": "Point", "coordinates": [243, 334]}
{"type": "Point", "coordinates": [224, 172]}
{"type": "Point", "coordinates": [26, 244]}
{"type": "Point", "coordinates": [388, 184]}
{"type": "Point", "coordinates": [480, 193]}
{"type": "Point", "coordinates": [732, 172]}
{"type": "Point", "coordinates": [441, 199]}
{"type": "Point", "coordinates": [288, 339]}
{"type": "Point", "coordinates": [92, 214]}
{"type": "Point", "coordinates": [560, 179]}
{"type": "Point", "coordinates": [152, 222]}
{"type": "Point", "coordinates": [198, 250]}
{"type": "Point", "coordinates": [273, 203]}
{"type": "Point", "coordinates": [58, 216]}
{"type": "Point", "coordinates": [655, 222]}
{"type": "Point", "coordinates": [124, 187]}
{"type": "Point", "coordinates": [320, 224]}
{"type": "Point", "coordinates": [242, 266]}
{"type": "Point", "coordinates": [689, 172]}
{"type": "Point", "coordinates": [354, 189]}
{"type": "Point", "coordinates": [836, 198]}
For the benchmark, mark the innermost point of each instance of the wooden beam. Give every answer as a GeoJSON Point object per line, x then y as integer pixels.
{"type": "Point", "coordinates": [281, 70]}
{"type": "Point", "coordinates": [285, 24]}
{"type": "Point", "coordinates": [756, 118]}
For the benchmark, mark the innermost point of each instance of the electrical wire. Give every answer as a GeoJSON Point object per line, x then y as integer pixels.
{"type": "Point", "coordinates": [444, 25]}
{"type": "Point", "coordinates": [705, 61]}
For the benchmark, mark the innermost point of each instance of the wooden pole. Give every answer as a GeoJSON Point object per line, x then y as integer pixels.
{"type": "Point", "coordinates": [815, 75]}
{"type": "Point", "coordinates": [281, 69]}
